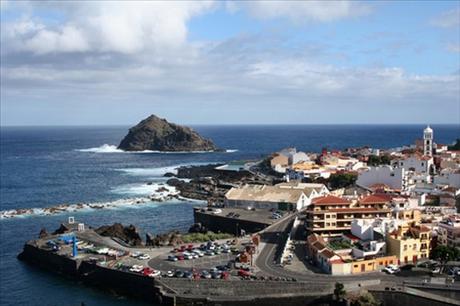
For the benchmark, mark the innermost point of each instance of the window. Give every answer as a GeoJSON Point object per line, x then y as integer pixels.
{"type": "Point", "coordinates": [405, 248]}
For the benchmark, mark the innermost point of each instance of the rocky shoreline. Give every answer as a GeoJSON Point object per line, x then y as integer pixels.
{"type": "Point", "coordinates": [207, 182]}
{"type": "Point", "coordinates": [202, 183]}
{"type": "Point", "coordinates": [163, 194]}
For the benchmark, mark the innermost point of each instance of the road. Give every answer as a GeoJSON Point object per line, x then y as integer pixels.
{"type": "Point", "coordinates": [273, 238]}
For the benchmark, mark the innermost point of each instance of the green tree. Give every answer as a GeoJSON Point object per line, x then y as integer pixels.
{"type": "Point", "coordinates": [456, 146]}
{"type": "Point", "coordinates": [445, 253]}
{"type": "Point", "coordinates": [339, 291]}
{"type": "Point", "coordinates": [341, 180]}
{"type": "Point", "coordinates": [373, 160]}
{"type": "Point", "coordinates": [385, 160]}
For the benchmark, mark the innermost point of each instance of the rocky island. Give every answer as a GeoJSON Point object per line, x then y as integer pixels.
{"type": "Point", "coordinates": [157, 134]}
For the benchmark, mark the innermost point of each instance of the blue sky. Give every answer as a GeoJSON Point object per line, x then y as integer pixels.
{"type": "Point", "coordinates": [89, 62]}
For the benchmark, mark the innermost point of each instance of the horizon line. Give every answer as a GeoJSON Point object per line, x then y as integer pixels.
{"type": "Point", "coordinates": [221, 124]}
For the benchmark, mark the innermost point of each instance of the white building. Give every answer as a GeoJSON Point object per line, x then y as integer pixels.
{"type": "Point", "coordinates": [368, 245]}
{"type": "Point", "coordinates": [450, 177]}
{"type": "Point", "coordinates": [312, 190]}
{"type": "Point", "coordinates": [428, 141]}
{"type": "Point", "coordinates": [414, 163]}
{"type": "Point", "coordinates": [266, 197]}
{"type": "Point", "coordinates": [298, 157]}
{"type": "Point", "coordinates": [395, 178]}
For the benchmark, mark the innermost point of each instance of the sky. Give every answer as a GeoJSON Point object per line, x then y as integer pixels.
{"type": "Point", "coordinates": [230, 62]}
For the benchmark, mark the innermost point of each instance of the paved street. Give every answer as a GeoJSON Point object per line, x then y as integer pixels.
{"type": "Point", "coordinates": [276, 234]}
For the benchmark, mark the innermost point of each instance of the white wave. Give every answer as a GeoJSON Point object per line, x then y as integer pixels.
{"type": "Point", "coordinates": [150, 172]}
{"type": "Point", "coordinates": [138, 202]}
{"type": "Point", "coordinates": [159, 172]}
{"type": "Point", "coordinates": [106, 148]}
{"type": "Point", "coordinates": [145, 189]}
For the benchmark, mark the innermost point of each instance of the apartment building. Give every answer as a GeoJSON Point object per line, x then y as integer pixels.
{"type": "Point", "coordinates": [331, 216]}
{"type": "Point", "coordinates": [449, 231]}
{"type": "Point", "coordinates": [409, 243]}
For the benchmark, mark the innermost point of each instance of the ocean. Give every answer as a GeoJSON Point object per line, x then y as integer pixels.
{"type": "Point", "coordinates": [46, 166]}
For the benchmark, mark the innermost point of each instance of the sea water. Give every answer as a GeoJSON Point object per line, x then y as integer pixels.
{"type": "Point", "coordinates": [47, 166]}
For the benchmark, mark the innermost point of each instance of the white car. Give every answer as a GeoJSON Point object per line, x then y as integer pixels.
{"type": "Point", "coordinates": [136, 268]}
{"type": "Point", "coordinates": [136, 254]}
{"type": "Point", "coordinates": [188, 256]}
{"type": "Point", "coordinates": [391, 269]}
{"type": "Point", "coordinates": [155, 273]}
{"type": "Point", "coordinates": [144, 257]}
{"type": "Point", "coordinates": [170, 274]}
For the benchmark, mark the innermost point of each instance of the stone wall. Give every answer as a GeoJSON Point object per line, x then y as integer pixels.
{"type": "Point", "coordinates": [223, 224]}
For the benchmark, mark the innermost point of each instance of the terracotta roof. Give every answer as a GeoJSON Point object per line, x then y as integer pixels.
{"type": "Point", "coordinates": [328, 253]}
{"type": "Point", "coordinates": [386, 196]}
{"type": "Point", "coordinates": [329, 199]}
{"type": "Point", "coordinates": [372, 199]}
{"type": "Point", "coordinates": [358, 209]}
{"type": "Point", "coordinates": [351, 236]}
{"type": "Point", "coordinates": [318, 245]}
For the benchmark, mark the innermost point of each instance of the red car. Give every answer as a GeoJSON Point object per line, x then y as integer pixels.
{"type": "Point", "coordinates": [244, 273]}
{"type": "Point", "coordinates": [180, 257]}
{"type": "Point", "coordinates": [147, 271]}
{"type": "Point", "coordinates": [225, 274]}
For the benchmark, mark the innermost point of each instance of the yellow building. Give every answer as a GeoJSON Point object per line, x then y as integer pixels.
{"type": "Point", "coordinates": [409, 243]}
{"type": "Point", "coordinates": [409, 215]}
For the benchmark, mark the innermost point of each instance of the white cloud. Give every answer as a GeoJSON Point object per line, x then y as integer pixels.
{"type": "Point", "coordinates": [130, 60]}
{"type": "Point", "coordinates": [453, 47]}
{"type": "Point", "coordinates": [447, 19]}
{"type": "Point", "coordinates": [107, 26]}
{"type": "Point", "coordinates": [300, 11]}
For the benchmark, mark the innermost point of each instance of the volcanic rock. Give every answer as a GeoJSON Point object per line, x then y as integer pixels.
{"type": "Point", "coordinates": [197, 228]}
{"type": "Point", "coordinates": [61, 230]}
{"type": "Point", "coordinates": [157, 134]}
{"type": "Point", "coordinates": [43, 233]}
{"type": "Point", "coordinates": [128, 234]}
{"type": "Point", "coordinates": [149, 239]}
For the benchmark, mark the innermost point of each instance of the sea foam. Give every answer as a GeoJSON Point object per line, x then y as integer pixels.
{"type": "Point", "coordinates": [106, 148]}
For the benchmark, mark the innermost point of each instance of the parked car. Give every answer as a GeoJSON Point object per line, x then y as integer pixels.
{"type": "Point", "coordinates": [391, 269]}
{"type": "Point", "coordinates": [170, 273]}
{"type": "Point", "coordinates": [216, 274]}
{"type": "Point", "coordinates": [155, 273]}
{"type": "Point", "coordinates": [172, 258]}
{"type": "Point", "coordinates": [147, 271]}
{"type": "Point", "coordinates": [144, 257]}
{"type": "Point", "coordinates": [244, 273]}
{"type": "Point", "coordinates": [436, 270]}
{"type": "Point", "coordinates": [205, 274]}
{"type": "Point", "coordinates": [136, 254]}
{"type": "Point", "coordinates": [179, 274]}
{"type": "Point", "coordinates": [222, 268]}
{"type": "Point", "coordinates": [136, 268]}
{"type": "Point", "coordinates": [188, 274]}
